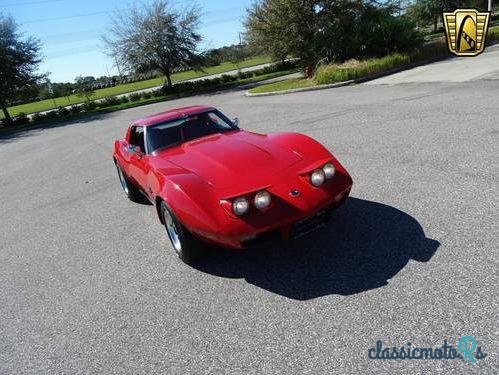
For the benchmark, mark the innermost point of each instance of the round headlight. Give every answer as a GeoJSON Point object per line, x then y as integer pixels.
{"type": "Point", "coordinates": [317, 177]}
{"type": "Point", "coordinates": [329, 170]}
{"type": "Point", "coordinates": [262, 199]}
{"type": "Point", "coordinates": [240, 206]}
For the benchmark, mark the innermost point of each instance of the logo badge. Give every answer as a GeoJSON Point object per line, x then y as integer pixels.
{"type": "Point", "coordinates": [294, 193]}
{"type": "Point", "coordinates": [466, 30]}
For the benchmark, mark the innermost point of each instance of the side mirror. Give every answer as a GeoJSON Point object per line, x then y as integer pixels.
{"type": "Point", "coordinates": [135, 150]}
{"type": "Point", "coordinates": [138, 151]}
{"type": "Point", "coordinates": [235, 122]}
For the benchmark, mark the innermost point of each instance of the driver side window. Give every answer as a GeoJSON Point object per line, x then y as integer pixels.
{"type": "Point", "coordinates": [137, 137]}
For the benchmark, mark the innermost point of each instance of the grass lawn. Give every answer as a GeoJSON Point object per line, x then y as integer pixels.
{"type": "Point", "coordinates": [129, 87]}
{"type": "Point", "coordinates": [288, 84]}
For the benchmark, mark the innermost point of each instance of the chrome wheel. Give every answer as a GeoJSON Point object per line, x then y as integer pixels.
{"type": "Point", "coordinates": [123, 181]}
{"type": "Point", "coordinates": [172, 231]}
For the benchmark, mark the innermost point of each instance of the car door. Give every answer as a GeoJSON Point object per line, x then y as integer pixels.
{"type": "Point", "coordinates": [138, 164]}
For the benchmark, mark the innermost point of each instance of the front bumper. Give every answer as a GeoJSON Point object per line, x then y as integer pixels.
{"type": "Point", "coordinates": [284, 221]}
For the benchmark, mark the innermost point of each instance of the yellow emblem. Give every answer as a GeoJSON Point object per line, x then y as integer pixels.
{"type": "Point", "coordinates": [466, 30]}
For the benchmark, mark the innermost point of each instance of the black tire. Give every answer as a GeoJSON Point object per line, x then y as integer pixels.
{"type": "Point", "coordinates": [130, 190]}
{"type": "Point", "coordinates": [187, 247]}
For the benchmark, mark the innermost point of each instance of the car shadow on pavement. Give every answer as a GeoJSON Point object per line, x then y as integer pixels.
{"type": "Point", "coordinates": [363, 246]}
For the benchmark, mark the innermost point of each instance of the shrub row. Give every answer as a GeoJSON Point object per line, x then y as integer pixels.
{"type": "Point", "coordinates": [210, 83]}
{"type": "Point", "coordinates": [185, 87]}
{"type": "Point", "coordinates": [87, 107]}
{"type": "Point", "coordinates": [331, 73]}
{"type": "Point", "coordinates": [343, 72]}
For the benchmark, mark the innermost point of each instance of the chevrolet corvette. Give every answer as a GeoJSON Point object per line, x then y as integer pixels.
{"type": "Point", "coordinates": [212, 182]}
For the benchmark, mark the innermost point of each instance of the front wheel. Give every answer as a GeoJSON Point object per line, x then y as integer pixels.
{"type": "Point", "coordinates": [186, 246]}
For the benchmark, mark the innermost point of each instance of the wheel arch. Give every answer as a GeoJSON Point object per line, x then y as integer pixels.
{"type": "Point", "coordinates": [179, 194]}
{"type": "Point", "coordinates": [158, 200]}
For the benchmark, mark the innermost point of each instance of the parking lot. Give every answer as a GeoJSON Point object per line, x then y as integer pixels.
{"type": "Point", "coordinates": [90, 283]}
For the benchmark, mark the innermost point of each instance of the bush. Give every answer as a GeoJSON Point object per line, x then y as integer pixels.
{"type": "Point", "coordinates": [89, 106]}
{"type": "Point", "coordinates": [20, 119]}
{"type": "Point", "coordinates": [167, 90]}
{"type": "Point", "coordinates": [492, 35]}
{"type": "Point", "coordinates": [135, 97]}
{"type": "Point", "coordinates": [187, 86]}
{"type": "Point", "coordinates": [226, 78]}
{"type": "Point", "coordinates": [202, 84]}
{"type": "Point", "coordinates": [244, 75]}
{"type": "Point", "coordinates": [382, 33]}
{"type": "Point", "coordinates": [51, 114]}
{"type": "Point", "coordinates": [38, 117]}
{"type": "Point", "coordinates": [158, 93]}
{"type": "Point", "coordinates": [75, 109]}
{"type": "Point", "coordinates": [275, 68]}
{"type": "Point", "coordinates": [354, 69]}
{"type": "Point", "coordinates": [62, 111]}
{"type": "Point", "coordinates": [430, 50]}
{"type": "Point", "coordinates": [209, 83]}
{"type": "Point", "coordinates": [110, 101]}
{"type": "Point", "coordinates": [147, 95]}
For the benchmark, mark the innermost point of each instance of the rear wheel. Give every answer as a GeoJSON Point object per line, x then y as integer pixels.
{"type": "Point", "coordinates": [131, 191]}
{"type": "Point", "coordinates": [186, 246]}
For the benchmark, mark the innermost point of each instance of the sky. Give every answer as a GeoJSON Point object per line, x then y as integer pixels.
{"type": "Point", "coordinates": [70, 30]}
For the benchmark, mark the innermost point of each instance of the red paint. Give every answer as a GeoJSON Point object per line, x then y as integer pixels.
{"type": "Point", "coordinates": [198, 179]}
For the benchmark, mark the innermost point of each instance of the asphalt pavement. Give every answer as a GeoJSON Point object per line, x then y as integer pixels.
{"type": "Point", "coordinates": [90, 284]}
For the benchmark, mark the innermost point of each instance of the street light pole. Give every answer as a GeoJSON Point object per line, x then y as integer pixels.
{"type": "Point", "coordinates": [490, 6]}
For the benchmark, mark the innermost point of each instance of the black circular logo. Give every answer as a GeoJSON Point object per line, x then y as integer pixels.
{"type": "Point", "coordinates": [294, 193]}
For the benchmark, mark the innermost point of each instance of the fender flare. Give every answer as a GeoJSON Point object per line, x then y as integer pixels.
{"type": "Point", "coordinates": [179, 192]}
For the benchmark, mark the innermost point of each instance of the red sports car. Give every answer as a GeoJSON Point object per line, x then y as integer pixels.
{"type": "Point", "coordinates": [212, 182]}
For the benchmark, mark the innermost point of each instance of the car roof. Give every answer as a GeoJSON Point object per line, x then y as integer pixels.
{"type": "Point", "coordinates": [172, 114]}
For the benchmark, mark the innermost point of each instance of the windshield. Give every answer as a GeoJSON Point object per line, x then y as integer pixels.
{"type": "Point", "coordinates": [185, 129]}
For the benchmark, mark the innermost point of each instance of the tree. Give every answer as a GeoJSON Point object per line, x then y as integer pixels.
{"type": "Point", "coordinates": [362, 29]}
{"type": "Point", "coordinates": [426, 12]}
{"type": "Point", "coordinates": [154, 37]}
{"type": "Point", "coordinates": [272, 26]}
{"type": "Point", "coordinates": [19, 61]}
{"type": "Point", "coordinates": [84, 87]}
{"type": "Point", "coordinates": [328, 30]}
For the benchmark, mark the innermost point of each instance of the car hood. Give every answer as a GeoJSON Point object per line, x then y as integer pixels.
{"type": "Point", "coordinates": [243, 159]}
